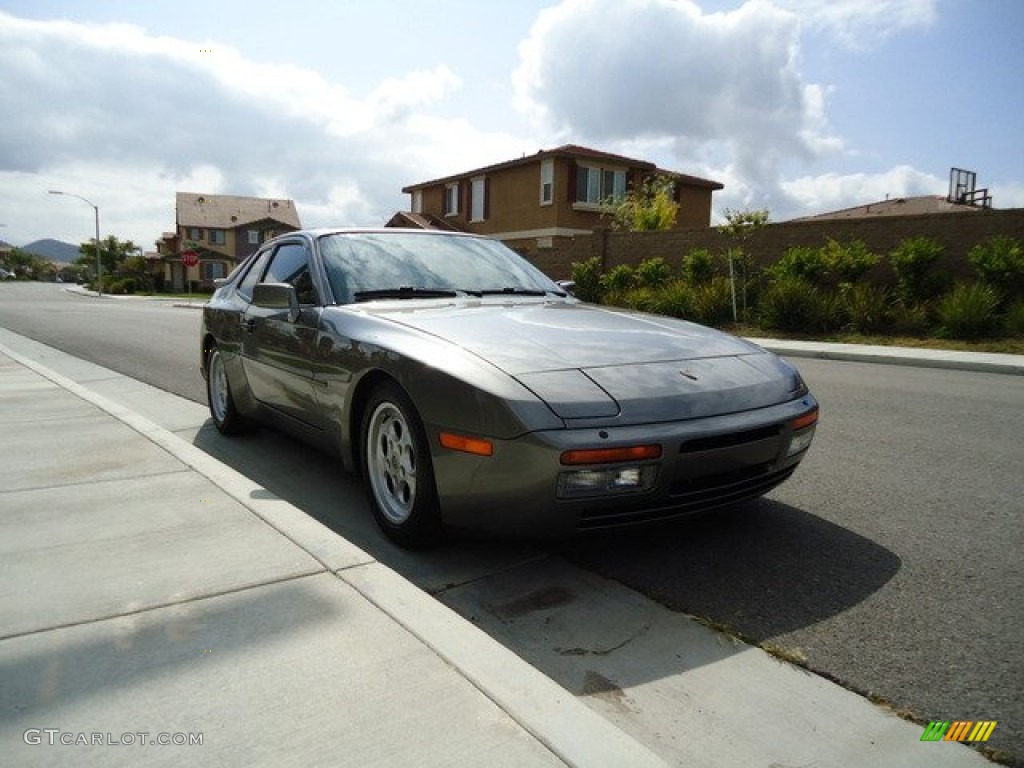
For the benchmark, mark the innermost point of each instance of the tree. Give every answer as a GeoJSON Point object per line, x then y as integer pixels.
{"type": "Point", "coordinates": [113, 253]}
{"type": "Point", "coordinates": [647, 208]}
{"type": "Point", "coordinates": [739, 226]}
{"type": "Point", "coordinates": [27, 266]}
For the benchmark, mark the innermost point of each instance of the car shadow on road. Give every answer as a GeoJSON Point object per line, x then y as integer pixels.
{"type": "Point", "coordinates": [760, 570]}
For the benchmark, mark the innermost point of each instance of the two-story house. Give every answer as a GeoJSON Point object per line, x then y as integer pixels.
{"type": "Point", "coordinates": [221, 230]}
{"type": "Point", "coordinates": [531, 202]}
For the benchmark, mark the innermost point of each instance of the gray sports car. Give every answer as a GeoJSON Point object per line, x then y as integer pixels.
{"type": "Point", "coordinates": [469, 390]}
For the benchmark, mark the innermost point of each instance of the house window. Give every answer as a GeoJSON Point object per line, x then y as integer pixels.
{"type": "Point", "coordinates": [417, 201]}
{"type": "Point", "coordinates": [217, 237]}
{"type": "Point", "coordinates": [597, 185]}
{"type": "Point", "coordinates": [478, 201]}
{"type": "Point", "coordinates": [254, 236]}
{"type": "Point", "coordinates": [451, 199]}
{"type": "Point", "coordinates": [195, 233]}
{"type": "Point", "coordinates": [547, 181]}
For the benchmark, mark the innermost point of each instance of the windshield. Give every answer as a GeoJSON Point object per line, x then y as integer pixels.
{"type": "Point", "coordinates": [367, 265]}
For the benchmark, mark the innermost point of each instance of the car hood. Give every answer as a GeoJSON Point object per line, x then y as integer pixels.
{"type": "Point", "coordinates": [591, 362]}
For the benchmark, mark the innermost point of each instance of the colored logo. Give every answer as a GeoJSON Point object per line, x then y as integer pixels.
{"type": "Point", "coordinates": [959, 730]}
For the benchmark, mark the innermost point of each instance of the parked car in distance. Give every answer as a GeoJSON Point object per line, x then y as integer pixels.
{"type": "Point", "coordinates": [469, 390]}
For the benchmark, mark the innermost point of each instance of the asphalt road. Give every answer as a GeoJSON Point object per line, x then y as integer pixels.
{"type": "Point", "coordinates": [890, 562]}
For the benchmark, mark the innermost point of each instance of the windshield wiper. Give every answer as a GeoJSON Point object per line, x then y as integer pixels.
{"type": "Point", "coordinates": [405, 292]}
{"type": "Point", "coordinates": [513, 291]}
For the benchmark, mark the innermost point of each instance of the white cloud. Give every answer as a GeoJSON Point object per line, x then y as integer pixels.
{"type": "Point", "coordinates": [862, 25]}
{"type": "Point", "coordinates": [724, 87]}
{"type": "Point", "coordinates": [829, 192]}
{"type": "Point", "coordinates": [126, 118]}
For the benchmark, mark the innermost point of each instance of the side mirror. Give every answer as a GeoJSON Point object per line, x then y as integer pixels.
{"type": "Point", "coordinates": [277, 296]}
{"type": "Point", "coordinates": [569, 286]}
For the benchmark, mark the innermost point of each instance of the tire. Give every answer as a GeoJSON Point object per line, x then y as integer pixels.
{"type": "Point", "coordinates": [218, 394]}
{"type": "Point", "coordinates": [398, 473]}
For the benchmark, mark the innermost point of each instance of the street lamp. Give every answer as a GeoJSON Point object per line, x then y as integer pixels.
{"type": "Point", "coordinates": [96, 210]}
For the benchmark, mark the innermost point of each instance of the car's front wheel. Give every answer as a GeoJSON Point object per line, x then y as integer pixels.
{"type": "Point", "coordinates": [218, 393]}
{"type": "Point", "coordinates": [397, 469]}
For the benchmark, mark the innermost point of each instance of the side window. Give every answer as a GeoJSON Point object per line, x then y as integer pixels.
{"type": "Point", "coordinates": [291, 265]}
{"type": "Point", "coordinates": [253, 275]}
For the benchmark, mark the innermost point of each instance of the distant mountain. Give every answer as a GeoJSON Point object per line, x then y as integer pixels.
{"type": "Point", "coordinates": [53, 250]}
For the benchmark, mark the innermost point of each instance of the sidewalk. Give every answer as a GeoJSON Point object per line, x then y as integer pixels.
{"type": "Point", "coordinates": [147, 588]}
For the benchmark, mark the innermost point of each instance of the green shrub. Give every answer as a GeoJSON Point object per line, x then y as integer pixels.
{"type": "Point", "coordinates": [653, 273]}
{"type": "Point", "coordinates": [699, 266]}
{"type": "Point", "coordinates": [794, 304]}
{"type": "Point", "coordinates": [587, 276]}
{"type": "Point", "coordinates": [968, 311]}
{"type": "Point", "coordinates": [846, 262]}
{"type": "Point", "coordinates": [712, 302]}
{"type": "Point", "coordinates": [616, 282]}
{"type": "Point", "coordinates": [640, 299]}
{"type": "Point", "coordinates": [121, 286]}
{"type": "Point", "coordinates": [675, 299]}
{"type": "Point", "coordinates": [799, 261]}
{"type": "Point", "coordinates": [1014, 320]}
{"type": "Point", "coordinates": [910, 319]}
{"type": "Point", "coordinates": [999, 262]}
{"type": "Point", "coordinates": [913, 261]}
{"type": "Point", "coordinates": [867, 307]}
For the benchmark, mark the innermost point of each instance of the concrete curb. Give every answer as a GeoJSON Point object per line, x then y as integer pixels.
{"type": "Point", "coordinates": [569, 728]}
{"type": "Point", "coordinates": [980, 362]}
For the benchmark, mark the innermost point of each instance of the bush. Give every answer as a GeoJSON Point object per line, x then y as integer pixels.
{"type": "Point", "coordinates": [676, 299]}
{"type": "Point", "coordinates": [794, 304]}
{"type": "Point", "coordinates": [640, 299]}
{"type": "Point", "coordinates": [846, 262]}
{"type": "Point", "coordinates": [799, 261]}
{"type": "Point", "coordinates": [867, 307]}
{"type": "Point", "coordinates": [999, 262]}
{"type": "Point", "coordinates": [617, 281]}
{"type": "Point", "coordinates": [587, 276]}
{"type": "Point", "coordinates": [1014, 320]}
{"type": "Point", "coordinates": [120, 286]}
{"type": "Point", "coordinates": [968, 312]}
{"type": "Point", "coordinates": [653, 273]}
{"type": "Point", "coordinates": [699, 266]}
{"type": "Point", "coordinates": [712, 302]}
{"type": "Point", "coordinates": [909, 319]}
{"type": "Point", "coordinates": [913, 261]}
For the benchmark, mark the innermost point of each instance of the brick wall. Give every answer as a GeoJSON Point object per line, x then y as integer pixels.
{"type": "Point", "coordinates": [957, 232]}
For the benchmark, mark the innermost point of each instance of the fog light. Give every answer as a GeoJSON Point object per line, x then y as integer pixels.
{"type": "Point", "coordinates": [597, 482]}
{"type": "Point", "coordinates": [627, 477]}
{"type": "Point", "coordinates": [800, 442]}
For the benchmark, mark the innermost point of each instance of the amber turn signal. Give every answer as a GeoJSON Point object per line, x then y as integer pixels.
{"type": "Point", "coordinates": [610, 455]}
{"type": "Point", "coordinates": [804, 421]}
{"type": "Point", "coordinates": [474, 445]}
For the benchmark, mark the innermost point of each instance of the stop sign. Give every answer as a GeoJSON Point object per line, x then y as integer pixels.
{"type": "Point", "coordinates": [189, 258]}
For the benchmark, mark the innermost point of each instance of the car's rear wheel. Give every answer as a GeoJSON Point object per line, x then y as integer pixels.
{"type": "Point", "coordinates": [218, 393]}
{"type": "Point", "coordinates": [397, 469]}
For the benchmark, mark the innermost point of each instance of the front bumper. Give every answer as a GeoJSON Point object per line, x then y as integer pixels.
{"type": "Point", "coordinates": [704, 463]}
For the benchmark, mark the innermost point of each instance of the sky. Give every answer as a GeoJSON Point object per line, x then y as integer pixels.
{"type": "Point", "coordinates": [796, 106]}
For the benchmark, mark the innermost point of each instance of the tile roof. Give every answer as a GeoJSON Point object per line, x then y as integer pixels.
{"type": "Point", "coordinates": [899, 206]}
{"type": "Point", "coordinates": [570, 150]}
{"type": "Point", "coordinates": [229, 211]}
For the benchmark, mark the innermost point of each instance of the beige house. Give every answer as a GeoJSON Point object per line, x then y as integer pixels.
{"type": "Point", "coordinates": [532, 202]}
{"type": "Point", "coordinates": [221, 230]}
